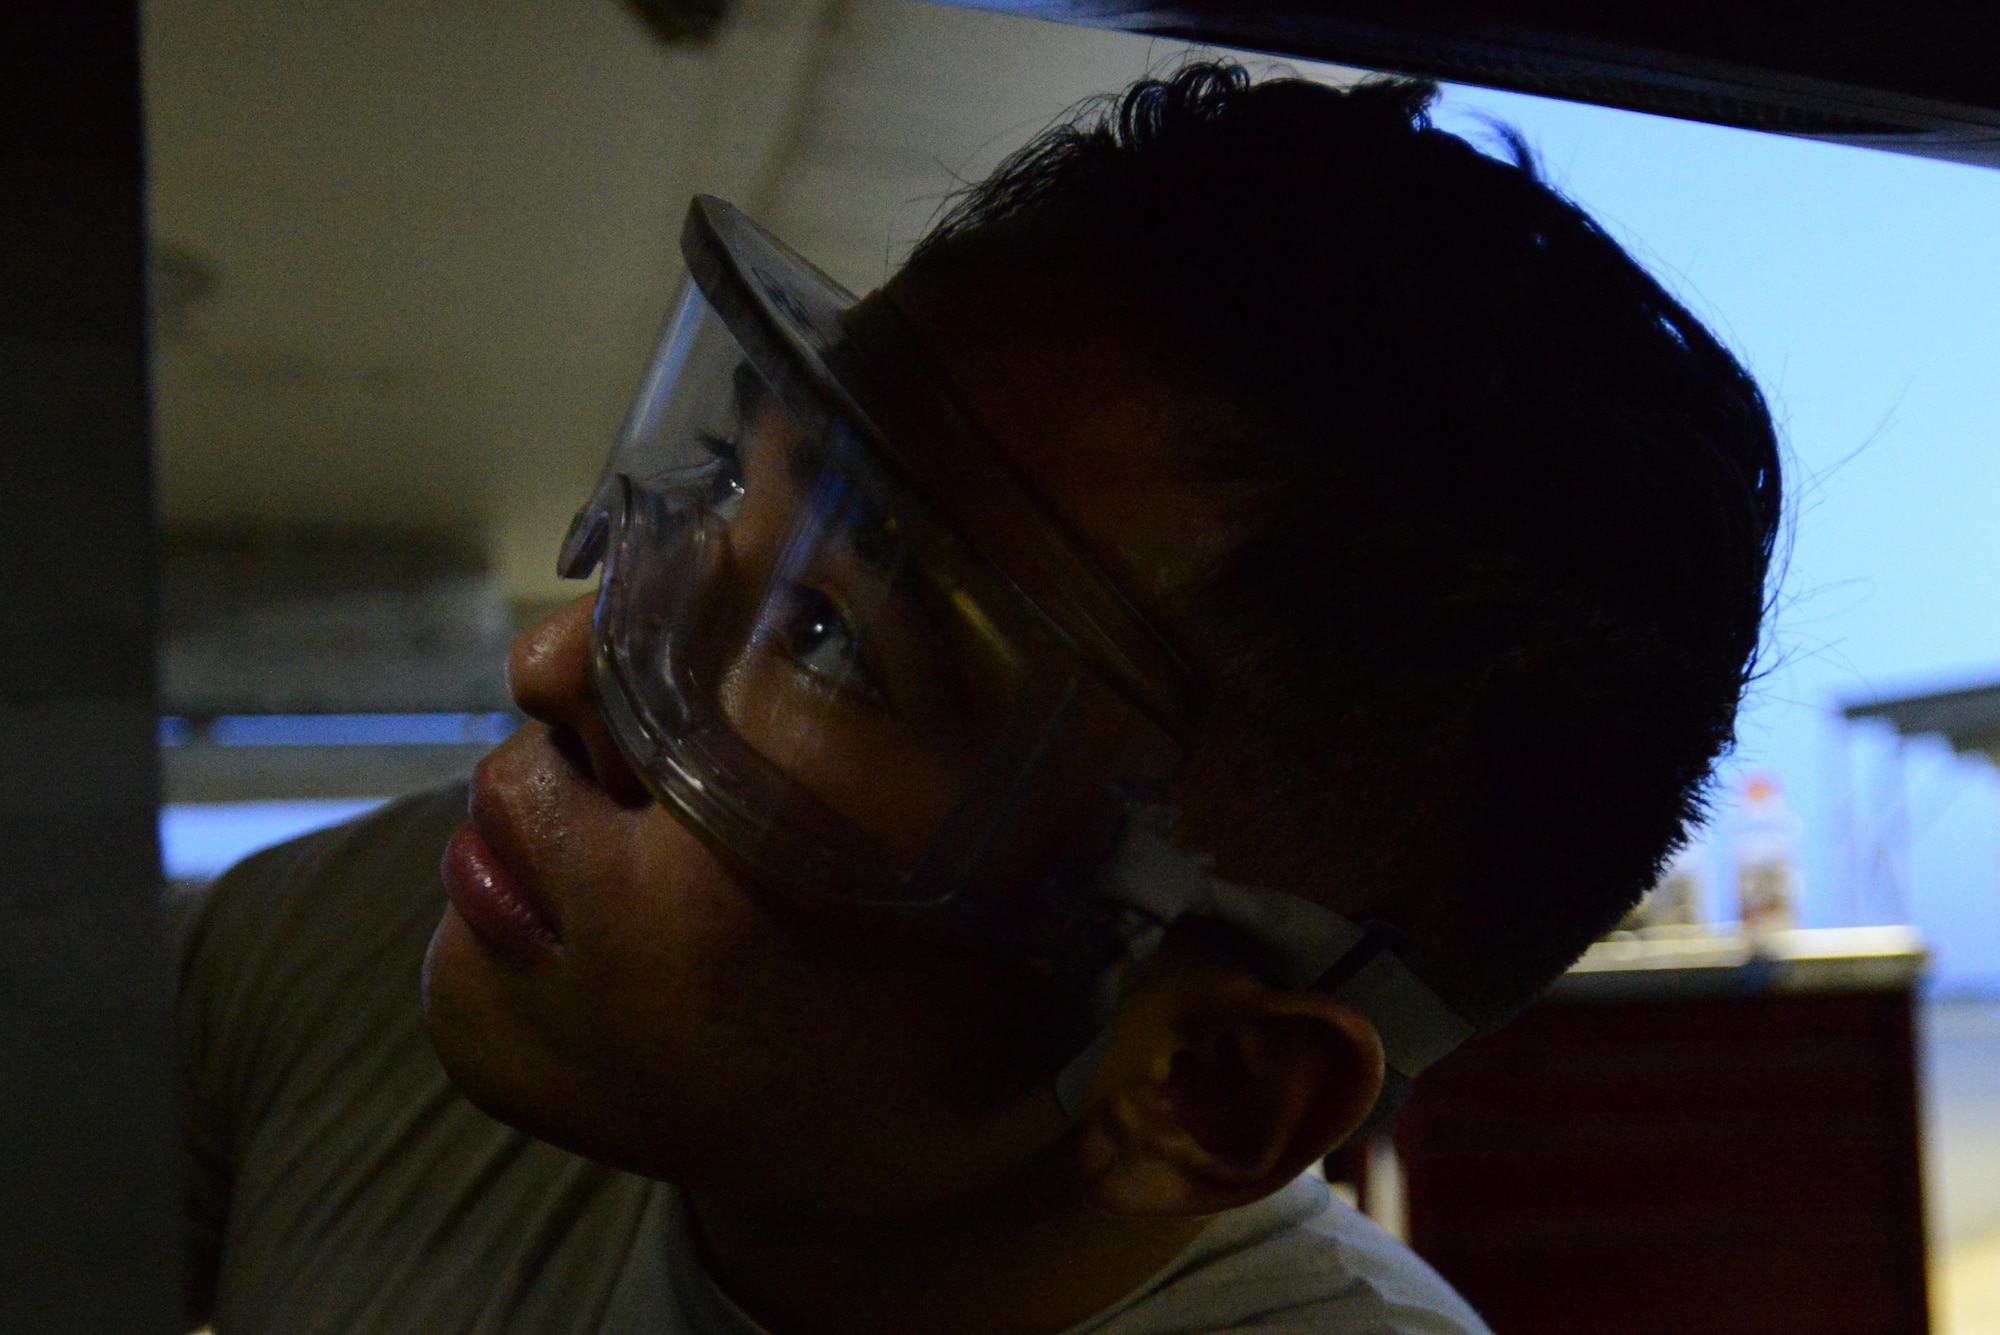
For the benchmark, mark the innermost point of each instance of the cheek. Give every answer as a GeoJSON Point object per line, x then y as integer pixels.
{"type": "Point", "coordinates": [660, 945]}
{"type": "Point", "coordinates": [616, 1044]}
{"type": "Point", "coordinates": [649, 909]}
{"type": "Point", "coordinates": [714, 1043]}
{"type": "Point", "coordinates": [693, 1032]}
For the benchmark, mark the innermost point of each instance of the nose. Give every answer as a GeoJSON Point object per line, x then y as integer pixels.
{"type": "Point", "coordinates": [548, 671]}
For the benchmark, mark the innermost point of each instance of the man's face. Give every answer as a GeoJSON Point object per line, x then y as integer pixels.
{"type": "Point", "coordinates": [603, 981]}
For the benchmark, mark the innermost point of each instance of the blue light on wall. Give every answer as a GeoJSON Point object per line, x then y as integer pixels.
{"type": "Point", "coordinates": [200, 840]}
{"type": "Point", "coordinates": [361, 729]}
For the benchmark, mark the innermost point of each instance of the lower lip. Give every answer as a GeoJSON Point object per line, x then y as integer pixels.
{"type": "Point", "coordinates": [485, 895]}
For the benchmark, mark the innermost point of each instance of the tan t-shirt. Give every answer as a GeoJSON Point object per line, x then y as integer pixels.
{"type": "Point", "coordinates": [338, 1182]}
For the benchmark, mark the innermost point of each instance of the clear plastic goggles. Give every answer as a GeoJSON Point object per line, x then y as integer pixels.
{"type": "Point", "coordinates": [817, 670]}
{"type": "Point", "coordinates": [843, 641]}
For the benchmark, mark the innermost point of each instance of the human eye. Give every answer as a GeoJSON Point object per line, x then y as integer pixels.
{"type": "Point", "coordinates": [817, 637]}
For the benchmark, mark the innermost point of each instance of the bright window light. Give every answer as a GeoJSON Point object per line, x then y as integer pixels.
{"type": "Point", "coordinates": [1863, 289]}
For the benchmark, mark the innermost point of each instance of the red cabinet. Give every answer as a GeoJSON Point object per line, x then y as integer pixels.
{"type": "Point", "coordinates": [1683, 1151]}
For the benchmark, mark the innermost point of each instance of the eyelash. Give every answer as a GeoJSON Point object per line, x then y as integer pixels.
{"type": "Point", "coordinates": [807, 601]}
{"type": "Point", "coordinates": [813, 610]}
{"type": "Point", "coordinates": [727, 486]}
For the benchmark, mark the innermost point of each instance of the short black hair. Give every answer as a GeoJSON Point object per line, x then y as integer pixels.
{"type": "Point", "coordinates": [1501, 580]}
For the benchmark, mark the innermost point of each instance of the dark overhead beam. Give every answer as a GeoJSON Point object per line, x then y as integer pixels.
{"type": "Point", "coordinates": [1915, 76]}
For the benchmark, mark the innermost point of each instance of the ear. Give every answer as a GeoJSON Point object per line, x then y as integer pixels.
{"type": "Point", "coordinates": [1220, 1089]}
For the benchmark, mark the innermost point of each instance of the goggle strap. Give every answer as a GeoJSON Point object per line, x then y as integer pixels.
{"type": "Point", "coordinates": [1307, 946]}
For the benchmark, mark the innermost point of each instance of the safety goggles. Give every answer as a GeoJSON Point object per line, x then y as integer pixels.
{"type": "Point", "coordinates": [844, 642]}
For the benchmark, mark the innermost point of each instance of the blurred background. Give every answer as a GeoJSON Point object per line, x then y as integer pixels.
{"type": "Point", "coordinates": [408, 261]}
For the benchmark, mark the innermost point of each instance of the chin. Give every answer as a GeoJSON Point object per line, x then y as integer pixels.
{"type": "Point", "coordinates": [479, 1038]}
{"type": "Point", "coordinates": [480, 1022]}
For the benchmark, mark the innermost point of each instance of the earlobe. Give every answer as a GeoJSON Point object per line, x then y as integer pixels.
{"type": "Point", "coordinates": [1223, 1092]}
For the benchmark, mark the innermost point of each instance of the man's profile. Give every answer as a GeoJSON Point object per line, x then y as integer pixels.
{"type": "Point", "coordinates": [1055, 745]}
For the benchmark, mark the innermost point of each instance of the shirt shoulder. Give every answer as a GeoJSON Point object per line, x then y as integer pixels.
{"type": "Point", "coordinates": [1301, 1263]}
{"type": "Point", "coordinates": [340, 1180]}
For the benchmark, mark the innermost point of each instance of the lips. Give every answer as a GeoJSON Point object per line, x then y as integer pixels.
{"type": "Point", "coordinates": [492, 902]}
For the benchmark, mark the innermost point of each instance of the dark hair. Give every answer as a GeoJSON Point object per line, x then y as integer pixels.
{"type": "Point", "coordinates": [1502, 574]}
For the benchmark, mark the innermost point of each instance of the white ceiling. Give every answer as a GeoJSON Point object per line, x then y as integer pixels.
{"type": "Point", "coordinates": [441, 236]}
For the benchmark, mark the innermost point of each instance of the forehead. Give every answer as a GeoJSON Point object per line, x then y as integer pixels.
{"type": "Point", "coordinates": [1071, 397]}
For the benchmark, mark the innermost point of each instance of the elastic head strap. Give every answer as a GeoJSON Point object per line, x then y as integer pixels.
{"type": "Point", "coordinates": [1307, 946]}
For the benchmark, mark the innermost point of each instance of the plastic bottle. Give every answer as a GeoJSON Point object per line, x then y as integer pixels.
{"type": "Point", "coordinates": [1675, 900]}
{"type": "Point", "coordinates": [1767, 838]}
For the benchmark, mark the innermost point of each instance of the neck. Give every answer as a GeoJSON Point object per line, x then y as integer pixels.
{"type": "Point", "coordinates": [1024, 1260]}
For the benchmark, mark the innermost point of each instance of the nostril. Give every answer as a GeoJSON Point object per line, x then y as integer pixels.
{"type": "Point", "coordinates": [570, 745]}
{"type": "Point", "coordinates": [595, 759]}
